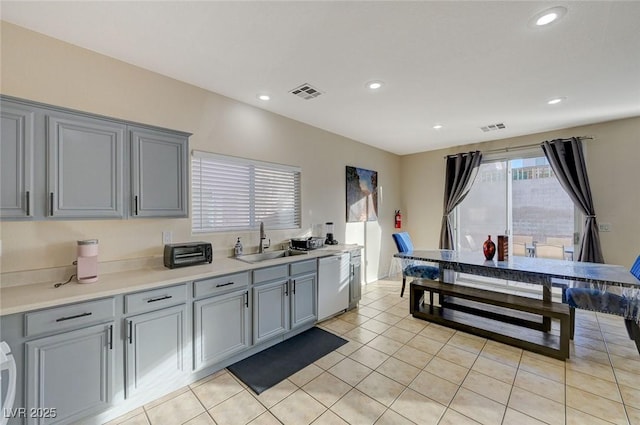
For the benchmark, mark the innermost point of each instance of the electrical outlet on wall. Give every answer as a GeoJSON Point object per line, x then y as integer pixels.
{"type": "Point", "coordinates": [167, 236]}
{"type": "Point", "coordinates": [604, 227]}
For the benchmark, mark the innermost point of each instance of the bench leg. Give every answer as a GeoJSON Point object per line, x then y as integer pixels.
{"type": "Point", "coordinates": [416, 297]}
{"type": "Point", "coordinates": [546, 297]}
{"type": "Point", "coordinates": [566, 333]}
{"type": "Point", "coordinates": [634, 331]}
{"type": "Point", "coordinates": [572, 322]}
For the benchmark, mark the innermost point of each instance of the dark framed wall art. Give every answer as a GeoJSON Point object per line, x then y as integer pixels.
{"type": "Point", "coordinates": [362, 195]}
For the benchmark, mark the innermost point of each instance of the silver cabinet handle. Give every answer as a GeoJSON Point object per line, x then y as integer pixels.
{"type": "Point", "coordinates": [246, 302]}
{"type": "Point", "coordinates": [135, 203]}
{"type": "Point", "coordinates": [28, 203]}
{"type": "Point", "coordinates": [51, 204]}
{"type": "Point", "coordinates": [166, 297]}
{"type": "Point", "coordinates": [130, 323]}
{"type": "Point", "coordinates": [62, 319]}
{"type": "Point", "coordinates": [110, 337]}
{"type": "Point", "coordinates": [220, 285]}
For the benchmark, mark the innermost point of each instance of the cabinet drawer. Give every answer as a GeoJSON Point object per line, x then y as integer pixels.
{"type": "Point", "coordinates": [307, 266]}
{"type": "Point", "coordinates": [155, 299]}
{"type": "Point", "coordinates": [219, 284]}
{"type": "Point", "coordinates": [270, 273]}
{"type": "Point", "coordinates": [69, 317]}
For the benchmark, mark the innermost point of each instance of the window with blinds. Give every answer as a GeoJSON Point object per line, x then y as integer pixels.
{"type": "Point", "coordinates": [229, 193]}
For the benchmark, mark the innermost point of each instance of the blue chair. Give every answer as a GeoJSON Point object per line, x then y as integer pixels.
{"type": "Point", "coordinates": [411, 268]}
{"type": "Point", "coordinates": [595, 299]}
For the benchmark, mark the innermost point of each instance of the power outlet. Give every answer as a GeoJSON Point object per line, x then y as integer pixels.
{"type": "Point", "coordinates": [167, 236]}
{"type": "Point", "coordinates": [604, 227]}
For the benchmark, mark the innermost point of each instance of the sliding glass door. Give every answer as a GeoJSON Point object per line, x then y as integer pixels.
{"type": "Point", "coordinates": [518, 196]}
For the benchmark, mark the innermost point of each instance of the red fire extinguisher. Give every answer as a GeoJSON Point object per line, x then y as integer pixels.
{"type": "Point", "coordinates": [398, 219]}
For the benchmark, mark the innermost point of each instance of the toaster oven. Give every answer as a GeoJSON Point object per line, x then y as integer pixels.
{"type": "Point", "coordinates": [306, 244]}
{"type": "Point", "coordinates": [187, 254]}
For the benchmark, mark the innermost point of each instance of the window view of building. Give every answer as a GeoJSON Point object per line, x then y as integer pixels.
{"type": "Point", "coordinates": [520, 197]}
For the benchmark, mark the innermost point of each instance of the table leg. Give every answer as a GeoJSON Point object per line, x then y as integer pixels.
{"type": "Point", "coordinates": [546, 297]}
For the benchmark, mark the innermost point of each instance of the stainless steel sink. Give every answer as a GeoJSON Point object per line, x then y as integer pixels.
{"type": "Point", "coordinates": [271, 255]}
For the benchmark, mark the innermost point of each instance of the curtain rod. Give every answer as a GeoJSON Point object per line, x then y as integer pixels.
{"type": "Point", "coordinates": [521, 147]}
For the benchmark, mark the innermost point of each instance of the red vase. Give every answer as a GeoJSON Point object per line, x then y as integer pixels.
{"type": "Point", "coordinates": [489, 248]}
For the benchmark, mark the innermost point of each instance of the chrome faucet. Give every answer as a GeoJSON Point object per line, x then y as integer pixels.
{"type": "Point", "coordinates": [262, 245]}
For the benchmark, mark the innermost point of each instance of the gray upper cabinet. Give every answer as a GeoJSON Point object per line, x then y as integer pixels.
{"type": "Point", "coordinates": [85, 163]}
{"type": "Point", "coordinates": [58, 163]}
{"type": "Point", "coordinates": [16, 156]}
{"type": "Point", "coordinates": [159, 168]}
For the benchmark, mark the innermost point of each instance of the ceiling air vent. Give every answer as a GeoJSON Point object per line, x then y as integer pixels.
{"type": "Point", "coordinates": [493, 127]}
{"type": "Point", "coordinates": [306, 92]}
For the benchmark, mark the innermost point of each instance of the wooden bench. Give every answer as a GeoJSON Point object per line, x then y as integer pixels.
{"type": "Point", "coordinates": [510, 320]}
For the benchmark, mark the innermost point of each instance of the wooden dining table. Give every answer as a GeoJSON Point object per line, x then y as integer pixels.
{"type": "Point", "coordinates": [532, 270]}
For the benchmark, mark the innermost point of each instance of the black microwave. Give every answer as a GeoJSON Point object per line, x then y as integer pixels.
{"type": "Point", "coordinates": [187, 254]}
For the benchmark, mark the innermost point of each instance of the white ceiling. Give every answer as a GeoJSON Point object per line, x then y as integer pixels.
{"type": "Point", "coordinates": [463, 65]}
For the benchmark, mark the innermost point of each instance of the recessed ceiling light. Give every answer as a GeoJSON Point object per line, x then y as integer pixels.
{"type": "Point", "coordinates": [264, 97]}
{"type": "Point", "coordinates": [437, 127]}
{"type": "Point", "coordinates": [548, 16]}
{"type": "Point", "coordinates": [375, 85]}
{"type": "Point", "coordinates": [556, 100]}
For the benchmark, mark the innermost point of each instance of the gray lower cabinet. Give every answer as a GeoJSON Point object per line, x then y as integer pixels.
{"type": "Point", "coordinates": [159, 181]}
{"type": "Point", "coordinates": [69, 375]}
{"type": "Point", "coordinates": [284, 298]}
{"type": "Point", "coordinates": [304, 305]}
{"type": "Point", "coordinates": [270, 310]}
{"type": "Point", "coordinates": [222, 327]}
{"type": "Point", "coordinates": [155, 349]}
{"type": "Point", "coordinates": [16, 161]}
{"type": "Point", "coordinates": [355, 279]}
{"type": "Point", "coordinates": [85, 163]}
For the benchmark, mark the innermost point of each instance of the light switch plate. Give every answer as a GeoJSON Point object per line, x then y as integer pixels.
{"type": "Point", "coordinates": [604, 227]}
{"type": "Point", "coordinates": [167, 236]}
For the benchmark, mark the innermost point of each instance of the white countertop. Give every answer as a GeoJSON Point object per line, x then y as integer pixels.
{"type": "Point", "coordinates": [21, 298]}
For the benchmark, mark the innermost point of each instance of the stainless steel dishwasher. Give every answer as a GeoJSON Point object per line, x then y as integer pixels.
{"type": "Point", "coordinates": [333, 285]}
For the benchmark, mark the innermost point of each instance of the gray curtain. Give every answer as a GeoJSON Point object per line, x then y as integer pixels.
{"type": "Point", "coordinates": [566, 158]}
{"type": "Point", "coordinates": [460, 172]}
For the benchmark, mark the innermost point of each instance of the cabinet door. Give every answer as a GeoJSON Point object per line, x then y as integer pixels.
{"type": "Point", "coordinates": [16, 156]}
{"type": "Point", "coordinates": [221, 327]}
{"type": "Point", "coordinates": [158, 173]}
{"type": "Point", "coordinates": [303, 300]}
{"type": "Point", "coordinates": [270, 310]}
{"type": "Point", "coordinates": [85, 167]}
{"type": "Point", "coordinates": [355, 285]}
{"type": "Point", "coordinates": [155, 349]}
{"type": "Point", "coordinates": [70, 372]}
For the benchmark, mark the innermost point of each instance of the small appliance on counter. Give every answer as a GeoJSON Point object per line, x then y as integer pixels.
{"type": "Point", "coordinates": [329, 229]}
{"type": "Point", "coordinates": [187, 254]}
{"type": "Point", "coordinates": [87, 261]}
{"type": "Point", "coordinates": [306, 244]}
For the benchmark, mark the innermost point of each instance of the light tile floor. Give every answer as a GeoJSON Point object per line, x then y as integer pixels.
{"type": "Point", "coordinates": [400, 370]}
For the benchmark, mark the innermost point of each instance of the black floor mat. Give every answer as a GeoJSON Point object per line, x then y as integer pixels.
{"type": "Point", "coordinates": [273, 365]}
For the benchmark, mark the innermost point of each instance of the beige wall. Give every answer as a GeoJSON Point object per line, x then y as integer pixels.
{"type": "Point", "coordinates": [612, 160]}
{"type": "Point", "coordinates": [42, 69]}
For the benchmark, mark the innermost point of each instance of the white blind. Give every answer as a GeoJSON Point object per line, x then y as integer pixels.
{"type": "Point", "coordinates": [230, 193]}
